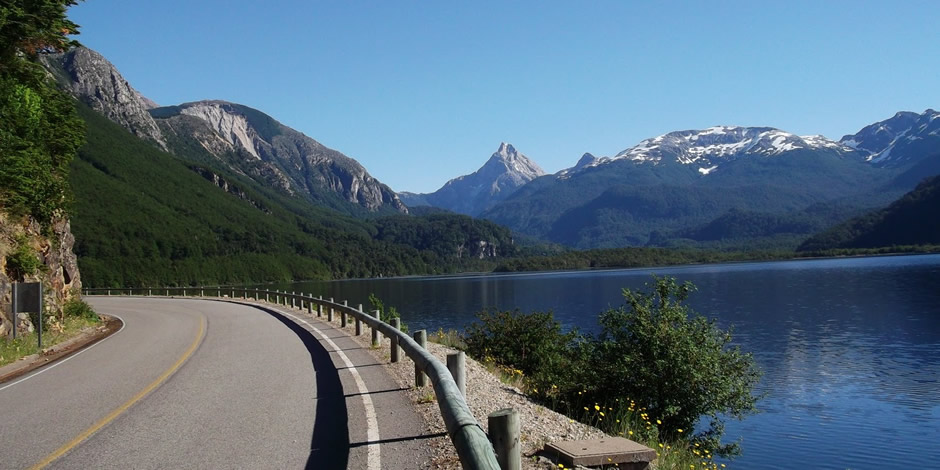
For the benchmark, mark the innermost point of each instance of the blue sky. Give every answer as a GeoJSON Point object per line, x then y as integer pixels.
{"type": "Point", "coordinates": [421, 92]}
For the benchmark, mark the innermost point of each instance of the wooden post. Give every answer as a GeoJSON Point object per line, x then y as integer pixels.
{"type": "Point", "coordinates": [293, 300]}
{"type": "Point", "coordinates": [456, 364]}
{"type": "Point", "coordinates": [504, 433]}
{"type": "Point", "coordinates": [329, 313]}
{"type": "Point", "coordinates": [375, 331]}
{"type": "Point", "coordinates": [396, 350]}
{"type": "Point", "coordinates": [309, 307]}
{"type": "Point", "coordinates": [342, 316]}
{"type": "Point", "coordinates": [319, 310]}
{"type": "Point", "coordinates": [109, 291]}
{"type": "Point", "coordinates": [359, 323]}
{"type": "Point", "coordinates": [421, 337]}
{"type": "Point", "coordinates": [167, 292]}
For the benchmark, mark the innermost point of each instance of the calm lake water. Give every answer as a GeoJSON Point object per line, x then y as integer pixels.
{"type": "Point", "coordinates": [850, 348]}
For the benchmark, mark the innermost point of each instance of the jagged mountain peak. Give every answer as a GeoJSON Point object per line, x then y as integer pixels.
{"type": "Point", "coordinates": [709, 148]}
{"type": "Point", "coordinates": [905, 137]}
{"type": "Point", "coordinates": [503, 173]}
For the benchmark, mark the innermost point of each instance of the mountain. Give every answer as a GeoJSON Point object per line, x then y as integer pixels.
{"type": "Point", "coordinates": [88, 76]}
{"type": "Point", "coordinates": [681, 180]}
{"type": "Point", "coordinates": [238, 137]}
{"type": "Point", "coordinates": [912, 220]}
{"type": "Point", "coordinates": [497, 179]}
{"type": "Point", "coordinates": [255, 144]}
{"type": "Point", "coordinates": [902, 140]}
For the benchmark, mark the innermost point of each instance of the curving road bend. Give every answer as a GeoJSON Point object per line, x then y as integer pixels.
{"type": "Point", "coordinates": [205, 384]}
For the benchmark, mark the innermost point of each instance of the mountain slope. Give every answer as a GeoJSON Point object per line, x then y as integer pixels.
{"type": "Point", "coordinates": [497, 179]}
{"type": "Point", "coordinates": [902, 140]}
{"type": "Point", "coordinates": [912, 220]}
{"type": "Point", "coordinates": [240, 138]}
{"type": "Point", "coordinates": [252, 142]}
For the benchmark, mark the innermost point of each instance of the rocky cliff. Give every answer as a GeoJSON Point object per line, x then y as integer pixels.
{"type": "Point", "coordinates": [284, 157]}
{"type": "Point", "coordinates": [88, 76]}
{"type": "Point", "coordinates": [241, 138]}
{"type": "Point", "coordinates": [29, 255]}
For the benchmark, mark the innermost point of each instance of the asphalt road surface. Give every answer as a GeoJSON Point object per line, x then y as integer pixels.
{"type": "Point", "coordinates": [210, 384]}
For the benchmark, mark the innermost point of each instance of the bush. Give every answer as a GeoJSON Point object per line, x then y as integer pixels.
{"type": "Point", "coordinates": [674, 363]}
{"type": "Point", "coordinates": [532, 343]}
{"type": "Point", "coordinates": [78, 308]}
{"type": "Point", "coordinates": [386, 314]}
{"type": "Point", "coordinates": [23, 261]}
{"type": "Point", "coordinates": [656, 367]}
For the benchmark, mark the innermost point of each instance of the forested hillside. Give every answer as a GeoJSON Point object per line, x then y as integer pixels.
{"type": "Point", "coordinates": [144, 217]}
{"type": "Point", "coordinates": [912, 220]}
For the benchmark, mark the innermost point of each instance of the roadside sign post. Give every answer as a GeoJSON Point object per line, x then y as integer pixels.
{"type": "Point", "coordinates": [27, 297]}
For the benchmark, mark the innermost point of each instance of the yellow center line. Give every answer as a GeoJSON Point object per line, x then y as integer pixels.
{"type": "Point", "coordinates": [121, 409]}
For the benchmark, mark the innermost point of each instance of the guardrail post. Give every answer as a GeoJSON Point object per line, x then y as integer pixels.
{"type": "Point", "coordinates": [329, 312]}
{"type": "Point", "coordinates": [504, 433]}
{"type": "Point", "coordinates": [375, 331]}
{"type": "Point", "coordinates": [396, 350]}
{"type": "Point", "coordinates": [293, 300]}
{"type": "Point", "coordinates": [201, 293]}
{"type": "Point", "coordinates": [310, 306]}
{"type": "Point", "coordinates": [149, 292]}
{"type": "Point", "coordinates": [421, 337]}
{"type": "Point", "coordinates": [168, 292]}
{"type": "Point", "coordinates": [359, 323]}
{"type": "Point", "coordinates": [456, 364]}
{"type": "Point", "coordinates": [109, 291]}
{"type": "Point", "coordinates": [342, 316]}
{"type": "Point", "coordinates": [319, 310]}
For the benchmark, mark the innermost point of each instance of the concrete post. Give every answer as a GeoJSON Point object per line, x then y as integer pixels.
{"type": "Point", "coordinates": [375, 331]}
{"type": "Point", "coordinates": [359, 323]}
{"type": "Point", "coordinates": [309, 307]}
{"type": "Point", "coordinates": [109, 291]}
{"type": "Point", "coordinates": [504, 434]}
{"type": "Point", "coordinates": [167, 293]}
{"type": "Point", "coordinates": [233, 293]}
{"type": "Point", "coordinates": [342, 316]}
{"type": "Point", "coordinates": [293, 300]}
{"type": "Point", "coordinates": [421, 337]}
{"type": "Point", "coordinates": [149, 292]}
{"type": "Point", "coordinates": [456, 364]}
{"type": "Point", "coordinates": [396, 350]}
{"type": "Point", "coordinates": [201, 293]}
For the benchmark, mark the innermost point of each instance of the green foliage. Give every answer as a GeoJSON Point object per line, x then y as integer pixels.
{"type": "Point", "coordinates": [655, 369]}
{"type": "Point", "coordinates": [447, 235]}
{"type": "Point", "coordinates": [386, 314]}
{"type": "Point", "coordinates": [914, 219]}
{"type": "Point", "coordinates": [23, 261]}
{"type": "Point", "coordinates": [78, 308]}
{"type": "Point", "coordinates": [532, 343]}
{"type": "Point", "coordinates": [39, 132]}
{"type": "Point", "coordinates": [677, 365]}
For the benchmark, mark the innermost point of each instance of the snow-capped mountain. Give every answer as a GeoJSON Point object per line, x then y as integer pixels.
{"type": "Point", "coordinates": [500, 176]}
{"type": "Point", "coordinates": [707, 149]}
{"type": "Point", "coordinates": [902, 139]}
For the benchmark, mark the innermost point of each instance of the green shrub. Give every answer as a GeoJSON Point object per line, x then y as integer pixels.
{"type": "Point", "coordinates": [78, 308]}
{"type": "Point", "coordinates": [23, 261]}
{"type": "Point", "coordinates": [653, 372]}
{"type": "Point", "coordinates": [386, 314]}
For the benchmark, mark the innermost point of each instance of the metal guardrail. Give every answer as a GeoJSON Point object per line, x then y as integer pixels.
{"type": "Point", "coordinates": [472, 444]}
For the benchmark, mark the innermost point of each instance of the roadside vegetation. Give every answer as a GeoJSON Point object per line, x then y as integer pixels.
{"type": "Point", "coordinates": [76, 316]}
{"type": "Point", "coordinates": [657, 373]}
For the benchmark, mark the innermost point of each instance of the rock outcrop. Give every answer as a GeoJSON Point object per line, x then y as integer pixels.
{"type": "Point", "coordinates": [282, 156]}
{"type": "Point", "coordinates": [88, 76]}
{"type": "Point", "coordinates": [58, 272]}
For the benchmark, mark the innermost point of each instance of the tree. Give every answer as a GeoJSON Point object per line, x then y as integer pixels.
{"type": "Point", "coordinates": [40, 132]}
{"type": "Point", "coordinates": [678, 365]}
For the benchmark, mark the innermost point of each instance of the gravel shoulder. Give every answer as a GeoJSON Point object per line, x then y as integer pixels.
{"type": "Point", "coordinates": [485, 394]}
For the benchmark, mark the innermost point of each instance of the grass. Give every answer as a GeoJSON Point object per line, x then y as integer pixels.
{"type": "Point", "coordinates": [626, 420]}
{"type": "Point", "coordinates": [27, 344]}
{"type": "Point", "coordinates": [450, 338]}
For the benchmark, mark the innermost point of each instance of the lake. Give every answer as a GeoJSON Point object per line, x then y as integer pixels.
{"type": "Point", "coordinates": [849, 348]}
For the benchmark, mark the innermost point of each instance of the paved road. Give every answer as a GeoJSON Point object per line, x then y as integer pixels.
{"type": "Point", "coordinates": [206, 384]}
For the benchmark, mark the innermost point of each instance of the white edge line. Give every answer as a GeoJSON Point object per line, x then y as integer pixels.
{"type": "Point", "coordinates": [372, 431]}
{"type": "Point", "coordinates": [63, 361]}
